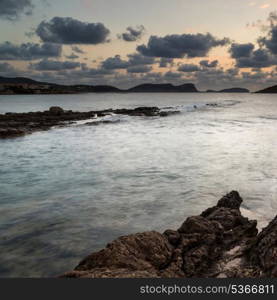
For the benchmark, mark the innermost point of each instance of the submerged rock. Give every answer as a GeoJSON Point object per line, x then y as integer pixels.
{"type": "Point", "coordinates": [218, 243]}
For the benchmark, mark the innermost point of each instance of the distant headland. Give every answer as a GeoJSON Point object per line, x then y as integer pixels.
{"type": "Point", "coordinates": [22, 85]}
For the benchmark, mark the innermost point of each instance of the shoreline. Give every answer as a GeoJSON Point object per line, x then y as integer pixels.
{"type": "Point", "coordinates": [219, 243]}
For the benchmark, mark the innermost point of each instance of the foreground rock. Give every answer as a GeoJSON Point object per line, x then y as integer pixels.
{"type": "Point", "coordinates": [19, 124]}
{"type": "Point", "coordinates": [218, 243]}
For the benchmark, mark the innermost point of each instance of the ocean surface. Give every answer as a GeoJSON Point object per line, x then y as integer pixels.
{"type": "Point", "coordinates": [67, 192]}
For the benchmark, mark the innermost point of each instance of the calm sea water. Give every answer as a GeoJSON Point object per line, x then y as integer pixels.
{"type": "Point", "coordinates": [66, 192]}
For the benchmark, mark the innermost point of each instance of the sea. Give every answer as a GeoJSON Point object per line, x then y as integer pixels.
{"type": "Point", "coordinates": [67, 192]}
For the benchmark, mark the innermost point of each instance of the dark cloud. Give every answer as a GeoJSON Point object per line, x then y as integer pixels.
{"type": "Point", "coordinates": [6, 68]}
{"type": "Point", "coordinates": [165, 62]}
{"type": "Point", "coordinates": [132, 34]}
{"type": "Point", "coordinates": [52, 65]}
{"type": "Point", "coordinates": [270, 42]}
{"type": "Point", "coordinates": [97, 72]}
{"type": "Point", "coordinates": [172, 75]}
{"type": "Point", "coordinates": [260, 58]}
{"type": "Point", "coordinates": [71, 31]}
{"type": "Point", "coordinates": [77, 50]}
{"type": "Point", "coordinates": [28, 51]}
{"type": "Point", "coordinates": [233, 71]}
{"type": "Point", "coordinates": [138, 59]}
{"type": "Point", "coordinates": [207, 64]}
{"type": "Point", "coordinates": [188, 68]}
{"type": "Point", "coordinates": [179, 46]}
{"type": "Point", "coordinates": [13, 9]}
{"type": "Point", "coordinates": [115, 63]}
{"type": "Point", "coordinates": [241, 50]}
{"type": "Point", "coordinates": [139, 69]}
{"type": "Point", "coordinates": [72, 56]}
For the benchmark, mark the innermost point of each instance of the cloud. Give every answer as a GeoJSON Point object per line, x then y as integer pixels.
{"type": "Point", "coordinates": [115, 63]}
{"type": "Point", "coordinates": [71, 31]}
{"type": "Point", "coordinates": [52, 65]}
{"type": "Point", "coordinates": [139, 69]}
{"type": "Point", "coordinates": [77, 50]}
{"type": "Point", "coordinates": [132, 34]}
{"type": "Point", "coordinates": [28, 51]}
{"type": "Point", "coordinates": [247, 57]}
{"type": "Point", "coordinates": [207, 64]}
{"type": "Point", "coordinates": [179, 46]}
{"type": "Point", "coordinates": [135, 59]}
{"type": "Point", "coordinates": [138, 59]}
{"type": "Point", "coordinates": [259, 58]}
{"type": "Point", "coordinates": [164, 62]}
{"type": "Point", "coordinates": [270, 42]}
{"type": "Point", "coordinates": [6, 68]}
{"type": "Point", "coordinates": [241, 50]}
{"type": "Point", "coordinates": [72, 56]}
{"type": "Point", "coordinates": [12, 9]}
{"type": "Point", "coordinates": [188, 68]}
{"type": "Point", "coordinates": [172, 75]}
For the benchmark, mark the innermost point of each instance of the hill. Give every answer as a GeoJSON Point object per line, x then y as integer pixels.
{"type": "Point", "coordinates": [270, 90]}
{"type": "Point", "coordinates": [231, 90]}
{"type": "Point", "coordinates": [163, 88]}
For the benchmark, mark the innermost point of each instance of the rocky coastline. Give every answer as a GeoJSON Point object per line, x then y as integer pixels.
{"type": "Point", "coordinates": [20, 124]}
{"type": "Point", "coordinates": [219, 243]}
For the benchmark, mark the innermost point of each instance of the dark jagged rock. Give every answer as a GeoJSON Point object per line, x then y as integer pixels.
{"type": "Point", "coordinates": [142, 255]}
{"type": "Point", "coordinates": [218, 243]}
{"type": "Point", "coordinates": [231, 200]}
{"type": "Point", "coordinates": [264, 251]}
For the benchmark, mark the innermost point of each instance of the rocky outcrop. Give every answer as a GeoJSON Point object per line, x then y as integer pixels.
{"type": "Point", "coordinates": [18, 124]}
{"type": "Point", "coordinates": [218, 243]}
{"type": "Point", "coordinates": [263, 254]}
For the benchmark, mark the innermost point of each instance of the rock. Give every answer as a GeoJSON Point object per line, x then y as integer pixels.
{"type": "Point", "coordinates": [110, 273]}
{"type": "Point", "coordinates": [149, 251]}
{"type": "Point", "coordinates": [173, 237]}
{"type": "Point", "coordinates": [56, 110]}
{"type": "Point", "coordinates": [264, 250]}
{"type": "Point", "coordinates": [169, 113]}
{"type": "Point", "coordinates": [199, 224]}
{"type": "Point", "coordinates": [11, 132]}
{"type": "Point", "coordinates": [26, 123]}
{"type": "Point", "coordinates": [231, 200]}
{"type": "Point", "coordinates": [218, 243]}
{"type": "Point", "coordinates": [139, 111]}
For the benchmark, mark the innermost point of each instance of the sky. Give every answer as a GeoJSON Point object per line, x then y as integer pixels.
{"type": "Point", "coordinates": [214, 44]}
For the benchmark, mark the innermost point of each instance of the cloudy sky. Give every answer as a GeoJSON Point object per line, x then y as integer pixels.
{"type": "Point", "coordinates": [213, 43]}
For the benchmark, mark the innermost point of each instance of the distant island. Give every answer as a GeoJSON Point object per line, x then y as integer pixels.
{"type": "Point", "coordinates": [22, 85]}
{"type": "Point", "coordinates": [270, 90]}
{"type": "Point", "coordinates": [231, 90]}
